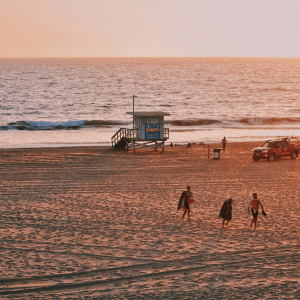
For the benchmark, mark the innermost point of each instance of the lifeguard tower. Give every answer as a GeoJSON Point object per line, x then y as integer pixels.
{"type": "Point", "coordinates": [148, 131]}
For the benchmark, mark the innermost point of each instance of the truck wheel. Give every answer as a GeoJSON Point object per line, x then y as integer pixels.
{"type": "Point", "coordinates": [272, 157]}
{"type": "Point", "coordinates": [255, 158]}
{"type": "Point", "coordinates": [294, 155]}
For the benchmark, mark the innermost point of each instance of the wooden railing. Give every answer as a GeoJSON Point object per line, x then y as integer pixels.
{"type": "Point", "coordinates": [120, 134]}
{"type": "Point", "coordinates": [131, 134]}
{"type": "Point", "coordinates": [166, 133]}
{"type": "Point", "coordinates": [124, 133]}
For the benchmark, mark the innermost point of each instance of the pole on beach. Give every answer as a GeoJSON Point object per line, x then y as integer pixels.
{"type": "Point", "coordinates": [133, 115]}
{"type": "Point", "coordinates": [208, 151]}
{"type": "Point", "coordinates": [133, 110]}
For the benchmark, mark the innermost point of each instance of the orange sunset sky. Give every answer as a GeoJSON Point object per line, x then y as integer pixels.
{"type": "Point", "coordinates": [108, 28]}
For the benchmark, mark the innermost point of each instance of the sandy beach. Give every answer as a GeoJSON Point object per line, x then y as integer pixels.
{"type": "Point", "coordinates": [94, 222]}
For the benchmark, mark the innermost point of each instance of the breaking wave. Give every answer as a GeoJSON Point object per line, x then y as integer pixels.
{"type": "Point", "coordinates": [75, 125]}
{"type": "Point", "coordinates": [67, 125]}
{"type": "Point", "coordinates": [197, 122]}
{"type": "Point", "coordinates": [268, 121]}
{"type": "Point", "coordinates": [234, 122]}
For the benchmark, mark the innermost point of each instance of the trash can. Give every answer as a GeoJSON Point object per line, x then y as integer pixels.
{"type": "Point", "coordinates": [216, 153]}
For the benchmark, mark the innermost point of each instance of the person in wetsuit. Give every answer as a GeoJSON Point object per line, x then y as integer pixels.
{"type": "Point", "coordinates": [226, 212]}
{"type": "Point", "coordinates": [254, 205]}
{"type": "Point", "coordinates": [183, 202]}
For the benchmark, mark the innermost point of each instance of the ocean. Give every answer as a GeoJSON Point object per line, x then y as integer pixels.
{"type": "Point", "coordinates": [59, 102]}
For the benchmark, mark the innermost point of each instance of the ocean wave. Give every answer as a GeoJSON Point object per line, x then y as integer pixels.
{"type": "Point", "coordinates": [234, 122]}
{"type": "Point", "coordinates": [268, 121]}
{"type": "Point", "coordinates": [104, 123]}
{"type": "Point", "coordinates": [197, 122]}
{"type": "Point", "coordinates": [64, 125]}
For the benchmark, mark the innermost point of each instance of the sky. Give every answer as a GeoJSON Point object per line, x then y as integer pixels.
{"type": "Point", "coordinates": [149, 28]}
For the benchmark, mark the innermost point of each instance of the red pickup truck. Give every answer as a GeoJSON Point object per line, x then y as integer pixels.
{"type": "Point", "coordinates": [275, 149]}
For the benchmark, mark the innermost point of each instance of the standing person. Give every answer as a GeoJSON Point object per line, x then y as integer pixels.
{"type": "Point", "coordinates": [224, 142]}
{"type": "Point", "coordinates": [254, 204]}
{"type": "Point", "coordinates": [226, 211]}
{"type": "Point", "coordinates": [183, 202]}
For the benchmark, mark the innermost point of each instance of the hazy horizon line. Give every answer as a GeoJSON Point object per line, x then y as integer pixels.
{"type": "Point", "coordinates": [28, 57]}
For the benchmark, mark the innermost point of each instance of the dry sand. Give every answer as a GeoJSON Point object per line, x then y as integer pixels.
{"type": "Point", "coordinates": [91, 222]}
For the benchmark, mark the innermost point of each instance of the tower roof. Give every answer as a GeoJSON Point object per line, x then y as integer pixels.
{"type": "Point", "coordinates": [149, 113]}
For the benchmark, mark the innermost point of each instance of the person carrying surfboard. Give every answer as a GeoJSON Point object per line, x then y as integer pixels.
{"type": "Point", "coordinates": [226, 211]}
{"type": "Point", "coordinates": [254, 204]}
{"type": "Point", "coordinates": [184, 202]}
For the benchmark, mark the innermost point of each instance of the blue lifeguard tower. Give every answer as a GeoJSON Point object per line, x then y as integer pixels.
{"type": "Point", "coordinates": [148, 131]}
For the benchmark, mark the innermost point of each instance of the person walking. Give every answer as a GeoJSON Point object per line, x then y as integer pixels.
{"type": "Point", "coordinates": [226, 211]}
{"type": "Point", "coordinates": [224, 142]}
{"type": "Point", "coordinates": [183, 202]}
{"type": "Point", "coordinates": [254, 205]}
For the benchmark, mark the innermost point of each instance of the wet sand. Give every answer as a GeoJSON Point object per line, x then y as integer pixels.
{"type": "Point", "coordinates": [90, 222]}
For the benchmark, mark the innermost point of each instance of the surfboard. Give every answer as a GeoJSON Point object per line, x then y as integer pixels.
{"type": "Point", "coordinates": [191, 201]}
{"type": "Point", "coordinates": [180, 200]}
{"type": "Point", "coordinates": [221, 209]}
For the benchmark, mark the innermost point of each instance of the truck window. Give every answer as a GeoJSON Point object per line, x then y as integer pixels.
{"type": "Point", "coordinates": [285, 144]}
{"type": "Point", "coordinates": [269, 144]}
{"type": "Point", "coordinates": [279, 145]}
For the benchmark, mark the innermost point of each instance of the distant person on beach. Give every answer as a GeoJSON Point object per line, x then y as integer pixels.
{"type": "Point", "coordinates": [254, 205]}
{"type": "Point", "coordinates": [183, 202]}
{"type": "Point", "coordinates": [226, 211]}
{"type": "Point", "coordinates": [224, 142]}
